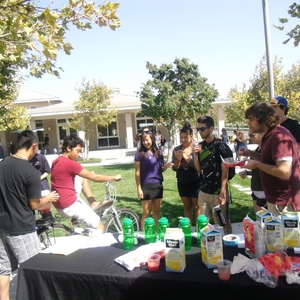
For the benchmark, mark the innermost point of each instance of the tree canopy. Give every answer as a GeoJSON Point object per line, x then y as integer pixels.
{"type": "Point", "coordinates": [91, 109]}
{"type": "Point", "coordinates": [285, 84]}
{"type": "Point", "coordinates": [31, 36]}
{"type": "Point", "coordinates": [294, 33]}
{"type": "Point", "coordinates": [176, 93]}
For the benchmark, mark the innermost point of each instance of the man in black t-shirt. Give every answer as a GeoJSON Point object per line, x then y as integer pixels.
{"type": "Point", "coordinates": [214, 189]}
{"type": "Point", "coordinates": [20, 191]}
{"type": "Point", "coordinates": [281, 107]}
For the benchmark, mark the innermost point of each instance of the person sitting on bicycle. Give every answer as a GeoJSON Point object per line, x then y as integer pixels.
{"type": "Point", "coordinates": [83, 185]}
{"type": "Point", "coordinates": [63, 172]}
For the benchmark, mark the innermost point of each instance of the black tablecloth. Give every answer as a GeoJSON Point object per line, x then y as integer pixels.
{"type": "Point", "coordinates": [93, 274]}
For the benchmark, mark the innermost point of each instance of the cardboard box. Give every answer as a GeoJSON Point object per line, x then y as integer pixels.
{"type": "Point", "coordinates": [273, 232]}
{"type": "Point", "coordinates": [175, 253]}
{"type": "Point", "coordinates": [290, 229]}
{"type": "Point", "coordinates": [211, 246]}
{"type": "Point", "coordinates": [260, 217]}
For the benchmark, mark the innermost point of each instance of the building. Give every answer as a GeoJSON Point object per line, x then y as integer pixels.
{"type": "Point", "coordinates": [49, 115]}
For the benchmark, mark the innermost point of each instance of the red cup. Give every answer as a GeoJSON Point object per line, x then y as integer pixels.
{"type": "Point", "coordinates": [154, 263]}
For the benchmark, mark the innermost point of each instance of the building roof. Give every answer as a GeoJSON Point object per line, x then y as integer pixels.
{"type": "Point", "coordinates": [27, 95]}
{"type": "Point", "coordinates": [122, 102]}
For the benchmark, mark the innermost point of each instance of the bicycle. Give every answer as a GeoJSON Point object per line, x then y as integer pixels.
{"type": "Point", "coordinates": [49, 227]}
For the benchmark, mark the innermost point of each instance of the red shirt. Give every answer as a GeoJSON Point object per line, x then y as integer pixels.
{"type": "Point", "coordinates": [63, 173]}
{"type": "Point", "coordinates": [278, 143]}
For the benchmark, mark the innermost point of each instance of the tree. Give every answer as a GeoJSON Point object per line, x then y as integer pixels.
{"type": "Point", "coordinates": [91, 110]}
{"type": "Point", "coordinates": [12, 116]}
{"type": "Point", "coordinates": [31, 37]}
{"type": "Point", "coordinates": [286, 85]}
{"type": "Point", "coordinates": [294, 33]}
{"type": "Point", "coordinates": [175, 94]}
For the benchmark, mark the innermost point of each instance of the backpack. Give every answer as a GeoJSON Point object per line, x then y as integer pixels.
{"type": "Point", "coordinates": [217, 143]}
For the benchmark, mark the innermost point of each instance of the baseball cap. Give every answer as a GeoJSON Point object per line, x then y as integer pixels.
{"type": "Point", "coordinates": [278, 100]}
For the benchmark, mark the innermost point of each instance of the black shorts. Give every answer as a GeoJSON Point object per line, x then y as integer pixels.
{"type": "Point", "coordinates": [152, 191]}
{"type": "Point", "coordinates": [189, 189]}
{"type": "Point", "coordinates": [259, 202]}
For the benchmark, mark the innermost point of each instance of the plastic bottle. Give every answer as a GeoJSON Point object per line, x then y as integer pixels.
{"type": "Point", "coordinates": [128, 233]}
{"type": "Point", "coordinates": [202, 221]}
{"type": "Point", "coordinates": [163, 224]}
{"type": "Point", "coordinates": [185, 225]}
{"type": "Point", "coordinates": [149, 230]}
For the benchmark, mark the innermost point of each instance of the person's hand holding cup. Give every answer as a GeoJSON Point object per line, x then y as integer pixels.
{"type": "Point", "coordinates": [197, 149]}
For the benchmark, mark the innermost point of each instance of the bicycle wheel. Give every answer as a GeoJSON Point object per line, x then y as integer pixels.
{"type": "Point", "coordinates": [112, 225]}
{"type": "Point", "coordinates": [59, 230]}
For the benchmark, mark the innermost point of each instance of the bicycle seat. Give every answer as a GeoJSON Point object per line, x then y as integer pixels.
{"type": "Point", "coordinates": [103, 206]}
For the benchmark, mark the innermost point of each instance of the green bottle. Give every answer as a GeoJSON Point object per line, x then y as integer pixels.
{"type": "Point", "coordinates": [202, 221]}
{"type": "Point", "coordinates": [163, 224]}
{"type": "Point", "coordinates": [128, 233]}
{"type": "Point", "coordinates": [149, 230]}
{"type": "Point", "coordinates": [185, 225]}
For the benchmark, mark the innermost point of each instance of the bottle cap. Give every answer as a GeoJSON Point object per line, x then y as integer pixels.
{"type": "Point", "coordinates": [184, 221]}
{"type": "Point", "coordinates": [149, 221]}
{"type": "Point", "coordinates": [127, 221]}
{"type": "Point", "coordinates": [163, 221]}
{"type": "Point", "coordinates": [202, 219]}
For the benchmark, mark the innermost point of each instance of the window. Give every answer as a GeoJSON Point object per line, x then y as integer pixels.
{"type": "Point", "coordinates": [64, 130]}
{"type": "Point", "coordinates": [108, 136]}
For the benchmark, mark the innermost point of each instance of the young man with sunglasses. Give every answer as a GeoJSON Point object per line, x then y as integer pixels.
{"type": "Point", "coordinates": [214, 189]}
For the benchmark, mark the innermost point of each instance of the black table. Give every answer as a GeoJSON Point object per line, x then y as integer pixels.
{"type": "Point", "coordinates": [93, 274]}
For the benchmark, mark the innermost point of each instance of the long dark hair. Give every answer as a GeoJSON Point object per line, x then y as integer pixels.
{"type": "Point", "coordinates": [154, 147]}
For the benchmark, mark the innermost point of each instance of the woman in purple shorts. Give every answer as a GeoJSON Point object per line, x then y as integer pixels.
{"type": "Point", "coordinates": [149, 165]}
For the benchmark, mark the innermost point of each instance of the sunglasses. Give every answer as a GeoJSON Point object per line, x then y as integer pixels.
{"type": "Point", "coordinates": [147, 132]}
{"type": "Point", "coordinates": [201, 128]}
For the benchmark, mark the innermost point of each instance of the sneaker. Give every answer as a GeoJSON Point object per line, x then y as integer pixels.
{"type": "Point", "coordinates": [102, 206]}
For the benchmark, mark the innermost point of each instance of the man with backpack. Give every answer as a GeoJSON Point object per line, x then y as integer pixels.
{"type": "Point", "coordinates": [215, 176]}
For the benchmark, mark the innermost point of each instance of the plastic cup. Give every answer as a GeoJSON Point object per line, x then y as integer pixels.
{"type": "Point", "coordinates": [224, 267]}
{"type": "Point", "coordinates": [46, 207]}
{"type": "Point", "coordinates": [153, 263]}
{"type": "Point", "coordinates": [279, 248]}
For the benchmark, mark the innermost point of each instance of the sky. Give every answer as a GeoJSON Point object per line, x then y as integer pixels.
{"type": "Point", "coordinates": [224, 38]}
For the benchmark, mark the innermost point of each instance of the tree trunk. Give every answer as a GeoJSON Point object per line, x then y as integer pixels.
{"type": "Point", "coordinates": [171, 145]}
{"type": "Point", "coordinates": [86, 146]}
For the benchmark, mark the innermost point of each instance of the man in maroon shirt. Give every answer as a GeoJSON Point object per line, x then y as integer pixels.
{"type": "Point", "coordinates": [63, 172]}
{"type": "Point", "coordinates": [279, 160]}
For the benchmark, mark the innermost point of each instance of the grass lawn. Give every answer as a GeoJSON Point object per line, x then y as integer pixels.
{"type": "Point", "coordinates": [172, 207]}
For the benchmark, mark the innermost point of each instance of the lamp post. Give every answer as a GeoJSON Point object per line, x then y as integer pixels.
{"type": "Point", "coordinates": [268, 50]}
